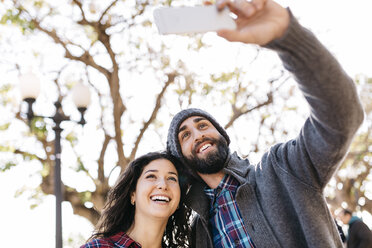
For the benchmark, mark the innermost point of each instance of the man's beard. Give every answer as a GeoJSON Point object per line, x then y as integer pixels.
{"type": "Point", "coordinates": [214, 161]}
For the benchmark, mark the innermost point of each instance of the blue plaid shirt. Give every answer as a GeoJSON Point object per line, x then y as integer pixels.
{"type": "Point", "coordinates": [228, 229]}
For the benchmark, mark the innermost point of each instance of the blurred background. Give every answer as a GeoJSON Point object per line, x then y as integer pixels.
{"type": "Point", "coordinates": [106, 60]}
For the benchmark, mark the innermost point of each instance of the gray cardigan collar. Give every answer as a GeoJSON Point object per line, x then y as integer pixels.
{"type": "Point", "coordinates": [197, 200]}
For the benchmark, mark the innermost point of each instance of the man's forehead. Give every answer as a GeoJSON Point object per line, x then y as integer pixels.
{"type": "Point", "coordinates": [194, 119]}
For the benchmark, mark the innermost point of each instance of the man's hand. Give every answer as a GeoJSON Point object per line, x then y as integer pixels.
{"type": "Point", "coordinates": [258, 21]}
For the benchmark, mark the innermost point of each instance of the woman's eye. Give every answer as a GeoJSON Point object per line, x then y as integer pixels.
{"type": "Point", "coordinates": [150, 176]}
{"type": "Point", "coordinates": [173, 179]}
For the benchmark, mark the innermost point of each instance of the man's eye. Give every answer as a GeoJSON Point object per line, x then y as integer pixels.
{"type": "Point", "coordinates": [185, 135]}
{"type": "Point", "coordinates": [202, 125]}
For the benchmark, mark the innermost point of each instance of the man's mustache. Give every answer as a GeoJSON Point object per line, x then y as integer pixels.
{"type": "Point", "coordinates": [201, 141]}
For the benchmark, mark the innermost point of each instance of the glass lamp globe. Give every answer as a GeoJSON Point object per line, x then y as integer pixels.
{"type": "Point", "coordinates": [81, 95]}
{"type": "Point", "coordinates": [29, 85]}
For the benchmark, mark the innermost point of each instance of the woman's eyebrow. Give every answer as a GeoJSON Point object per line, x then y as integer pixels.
{"type": "Point", "coordinates": [153, 170]}
{"type": "Point", "coordinates": [150, 171]}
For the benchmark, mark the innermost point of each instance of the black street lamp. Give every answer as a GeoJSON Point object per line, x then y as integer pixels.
{"type": "Point", "coordinates": [30, 88]}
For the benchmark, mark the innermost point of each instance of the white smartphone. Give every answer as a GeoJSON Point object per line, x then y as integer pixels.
{"type": "Point", "coordinates": [199, 19]}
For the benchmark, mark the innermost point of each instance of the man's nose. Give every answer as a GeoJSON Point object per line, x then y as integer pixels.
{"type": "Point", "coordinates": [198, 135]}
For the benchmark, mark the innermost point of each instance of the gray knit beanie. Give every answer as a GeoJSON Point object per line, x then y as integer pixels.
{"type": "Point", "coordinates": [173, 144]}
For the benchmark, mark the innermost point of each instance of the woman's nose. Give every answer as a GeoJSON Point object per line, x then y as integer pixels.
{"type": "Point", "coordinates": [162, 184]}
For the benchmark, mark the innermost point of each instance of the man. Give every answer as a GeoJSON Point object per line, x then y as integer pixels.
{"type": "Point", "coordinates": [279, 202]}
{"type": "Point", "coordinates": [359, 235]}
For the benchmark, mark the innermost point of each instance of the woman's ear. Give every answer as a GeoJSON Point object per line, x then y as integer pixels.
{"type": "Point", "coordinates": [133, 198]}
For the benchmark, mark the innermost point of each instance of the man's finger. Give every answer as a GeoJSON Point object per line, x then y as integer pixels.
{"type": "Point", "coordinates": [242, 8]}
{"type": "Point", "coordinates": [231, 35]}
{"type": "Point", "coordinates": [245, 7]}
{"type": "Point", "coordinates": [221, 4]}
{"type": "Point", "coordinates": [259, 4]}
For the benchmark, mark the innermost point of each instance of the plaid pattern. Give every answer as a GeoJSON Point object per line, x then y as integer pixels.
{"type": "Point", "coordinates": [228, 229]}
{"type": "Point", "coordinates": [119, 240]}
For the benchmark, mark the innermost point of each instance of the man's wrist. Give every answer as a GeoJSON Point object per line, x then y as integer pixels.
{"type": "Point", "coordinates": [283, 25]}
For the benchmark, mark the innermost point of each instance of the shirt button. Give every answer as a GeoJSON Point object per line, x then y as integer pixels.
{"type": "Point", "coordinates": [237, 242]}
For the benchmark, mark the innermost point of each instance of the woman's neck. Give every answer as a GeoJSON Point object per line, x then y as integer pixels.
{"type": "Point", "coordinates": [147, 232]}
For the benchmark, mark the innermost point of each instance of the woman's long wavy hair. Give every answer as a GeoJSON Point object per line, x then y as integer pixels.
{"type": "Point", "coordinates": [118, 213]}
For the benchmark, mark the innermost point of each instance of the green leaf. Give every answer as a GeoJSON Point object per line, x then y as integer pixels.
{"type": "Point", "coordinates": [80, 166]}
{"type": "Point", "coordinates": [224, 77]}
{"type": "Point", "coordinates": [7, 166]}
{"type": "Point", "coordinates": [71, 137]}
{"type": "Point", "coordinates": [13, 16]}
{"type": "Point", "coordinates": [4, 89]}
{"type": "Point", "coordinates": [32, 206]}
{"type": "Point", "coordinates": [6, 149]}
{"type": "Point", "coordinates": [85, 196]}
{"type": "Point", "coordinates": [39, 127]}
{"type": "Point", "coordinates": [4, 126]}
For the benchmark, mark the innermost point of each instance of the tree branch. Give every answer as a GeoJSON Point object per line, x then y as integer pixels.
{"type": "Point", "coordinates": [106, 10]}
{"type": "Point", "coordinates": [239, 112]}
{"type": "Point", "coordinates": [86, 58]}
{"type": "Point", "coordinates": [101, 171]}
{"type": "Point", "coordinates": [74, 197]}
{"type": "Point", "coordinates": [27, 154]}
{"type": "Point", "coordinates": [80, 5]}
{"type": "Point", "coordinates": [157, 106]}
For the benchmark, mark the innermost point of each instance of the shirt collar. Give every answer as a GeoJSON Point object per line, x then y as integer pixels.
{"type": "Point", "coordinates": [123, 240]}
{"type": "Point", "coordinates": [228, 183]}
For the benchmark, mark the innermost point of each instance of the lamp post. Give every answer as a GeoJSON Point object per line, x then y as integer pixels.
{"type": "Point", "coordinates": [30, 88]}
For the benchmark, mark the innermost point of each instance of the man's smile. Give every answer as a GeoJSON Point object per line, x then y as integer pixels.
{"type": "Point", "coordinates": [204, 146]}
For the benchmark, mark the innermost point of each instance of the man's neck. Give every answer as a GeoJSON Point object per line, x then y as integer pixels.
{"type": "Point", "coordinates": [212, 180]}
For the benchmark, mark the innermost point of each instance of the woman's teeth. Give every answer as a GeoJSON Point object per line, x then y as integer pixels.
{"type": "Point", "coordinates": [160, 198]}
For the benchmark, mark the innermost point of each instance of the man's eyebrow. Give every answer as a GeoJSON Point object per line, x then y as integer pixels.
{"type": "Point", "coordinates": [196, 120]}
{"type": "Point", "coordinates": [182, 128]}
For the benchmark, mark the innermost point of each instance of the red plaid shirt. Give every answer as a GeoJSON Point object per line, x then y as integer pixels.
{"type": "Point", "coordinates": [121, 240]}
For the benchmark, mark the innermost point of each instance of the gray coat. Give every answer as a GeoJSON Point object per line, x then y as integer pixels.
{"type": "Point", "coordinates": [281, 198]}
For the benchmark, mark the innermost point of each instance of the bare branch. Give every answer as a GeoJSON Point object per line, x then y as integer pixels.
{"type": "Point", "coordinates": [86, 58]}
{"type": "Point", "coordinates": [101, 171]}
{"type": "Point", "coordinates": [157, 106]}
{"type": "Point", "coordinates": [80, 5]}
{"type": "Point", "coordinates": [27, 154]}
{"type": "Point", "coordinates": [74, 197]}
{"type": "Point", "coordinates": [106, 10]}
{"type": "Point", "coordinates": [239, 112]}
{"type": "Point", "coordinates": [99, 97]}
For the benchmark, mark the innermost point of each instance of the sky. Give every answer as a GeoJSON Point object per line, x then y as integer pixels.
{"type": "Point", "coordinates": [343, 26]}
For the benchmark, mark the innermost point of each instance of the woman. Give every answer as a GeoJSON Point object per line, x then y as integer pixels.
{"type": "Point", "coordinates": [145, 208]}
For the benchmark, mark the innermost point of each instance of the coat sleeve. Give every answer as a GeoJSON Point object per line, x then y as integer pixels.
{"type": "Point", "coordinates": [362, 235]}
{"type": "Point", "coordinates": [335, 108]}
